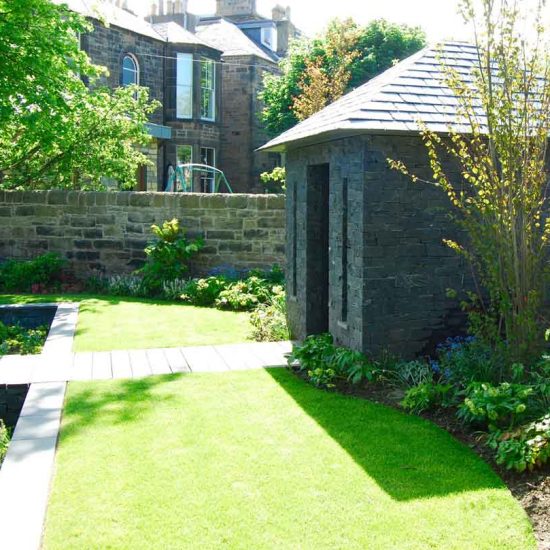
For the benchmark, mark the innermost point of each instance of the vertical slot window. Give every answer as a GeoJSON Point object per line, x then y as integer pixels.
{"type": "Point", "coordinates": [294, 245]}
{"type": "Point", "coordinates": [345, 245]}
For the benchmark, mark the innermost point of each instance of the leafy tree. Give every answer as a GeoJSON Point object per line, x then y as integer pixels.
{"type": "Point", "coordinates": [317, 72]}
{"type": "Point", "coordinates": [54, 130]}
{"type": "Point", "coordinates": [503, 161]}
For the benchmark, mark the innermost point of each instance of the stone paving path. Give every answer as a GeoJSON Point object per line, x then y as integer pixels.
{"type": "Point", "coordinates": [65, 366]}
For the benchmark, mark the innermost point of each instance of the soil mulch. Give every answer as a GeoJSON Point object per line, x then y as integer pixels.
{"type": "Point", "coordinates": [532, 489]}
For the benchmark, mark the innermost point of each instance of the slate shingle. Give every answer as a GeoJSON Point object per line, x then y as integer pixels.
{"type": "Point", "coordinates": [396, 100]}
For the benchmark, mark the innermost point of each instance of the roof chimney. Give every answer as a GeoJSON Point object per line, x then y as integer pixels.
{"type": "Point", "coordinates": [230, 8]}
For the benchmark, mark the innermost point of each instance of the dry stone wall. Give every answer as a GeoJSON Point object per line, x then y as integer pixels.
{"type": "Point", "coordinates": [107, 232]}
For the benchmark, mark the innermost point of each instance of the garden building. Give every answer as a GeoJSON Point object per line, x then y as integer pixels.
{"type": "Point", "coordinates": [365, 254]}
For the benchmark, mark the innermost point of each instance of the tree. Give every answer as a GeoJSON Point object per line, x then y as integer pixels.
{"type": "Point", "coordinates": [317, 72]}
{"type": "Point", "coordinates": [503, 159]}
{"type": "Point", "coordinates": [54, 130]}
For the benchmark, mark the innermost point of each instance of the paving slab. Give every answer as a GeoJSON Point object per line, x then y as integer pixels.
{"type": "Point", "coordinates": [176, 360]}
{"type": "Point", "coordinates": [158, 361]}
{"type": "Point", "coordinates": [120, 364]}
{"type": "Point", "coordinates": [140, 364]}
{"type": "Point", "coordinates": [82, 366]}
{"type": "Point", "coordinates": [204, 359]}
{"type": "Point", "coordinates": [101, 366]}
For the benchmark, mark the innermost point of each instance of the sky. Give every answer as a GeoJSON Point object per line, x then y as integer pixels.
{"type": "Point", "coordinates": [439, 18]}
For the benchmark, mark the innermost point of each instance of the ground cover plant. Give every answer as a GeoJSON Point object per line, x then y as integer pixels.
{"type": "Point", "coordinates": [4, 441]}
{"type": "Point", "coordinates": [14, 339]}
{"type": "Point", "coordinates": [110, 323]}
{"type": "Point", "coordinates": [261, 459]}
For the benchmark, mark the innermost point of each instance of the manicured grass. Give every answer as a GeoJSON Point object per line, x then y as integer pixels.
{"type": "Point", "coordinates": [262, 460]}
{"type": "Point", "coordinates": [110, 323]}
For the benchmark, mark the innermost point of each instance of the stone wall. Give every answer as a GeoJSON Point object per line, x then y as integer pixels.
{"type": "Point", "coordinates": [107, 232]}
{"type": "Point", "coordinates": [388, 288]}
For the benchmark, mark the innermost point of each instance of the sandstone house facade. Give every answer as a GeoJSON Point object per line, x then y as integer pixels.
{"type": "Point", "coordinates": [205, 70]}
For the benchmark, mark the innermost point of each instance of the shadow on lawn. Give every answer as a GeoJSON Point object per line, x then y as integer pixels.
{"type": "Point", "coordinates": [408, 457]}
{"type": "Point", "coordinates": [117, 403]}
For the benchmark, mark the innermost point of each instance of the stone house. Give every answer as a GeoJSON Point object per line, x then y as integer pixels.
{"type": "Point", "coordinates": [365, 257]}
{"type": "Point", "coordinates": [206, 72]}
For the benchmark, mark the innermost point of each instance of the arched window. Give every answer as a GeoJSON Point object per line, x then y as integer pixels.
{"type": "Point", "coordinates": [130, 70]}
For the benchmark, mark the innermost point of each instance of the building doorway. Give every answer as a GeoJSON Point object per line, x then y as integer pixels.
{"type": "Point", "coordinates": [317, 249]}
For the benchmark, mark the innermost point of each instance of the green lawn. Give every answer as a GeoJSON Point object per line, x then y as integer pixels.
{"type": "Point", "coordinates": [110, 323]}
{"type": "Point", "coordinates": [262, 460]}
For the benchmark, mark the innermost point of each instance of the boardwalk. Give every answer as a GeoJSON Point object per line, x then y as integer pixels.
{"type": "Point", "coordinates": [63, 367]}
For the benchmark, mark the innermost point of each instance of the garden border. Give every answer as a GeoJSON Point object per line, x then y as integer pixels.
{"type": "Point", "coordinates": [27, 470]}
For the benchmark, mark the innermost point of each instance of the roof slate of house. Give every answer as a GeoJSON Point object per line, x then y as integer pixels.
{"type": "Point", "coordinates": [227, 37]}
{"type": "Point", "coordinates": [118, 17]}
{"type": "Point", "coordinates": [175, 34]}
{"type": "Point", "coordinates": [395, 101]}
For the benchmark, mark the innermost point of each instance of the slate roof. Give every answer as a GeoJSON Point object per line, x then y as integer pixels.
{"type": "Point", "coordinates": [118, 17]}
{"type": "Point", "coordinates": [176, 34]}
{"type": "Point", "coordinates": [227, 37]}
{"type": "Point", "coordinates": [394, 101]}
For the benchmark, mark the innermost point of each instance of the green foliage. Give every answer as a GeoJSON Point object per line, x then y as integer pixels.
{"type": "Point", "coordinates": [410, 373]}
{"type": "Point", "coordinates": [247, 294]}
{"type": "Point", "coordinates": [526, 448]}
{"type": "Point", "coordinates": [204, 292]}
{"type": "Point", "coordinates": [268, 321]}
{"type": "Point", "coordinates": [20, 276]}
{"type": "Point", "coordinates": [428, 395]}
{"type": "Point", "coordinates": [4, 440]}
{"type": "Point", "coordinates": [168, 256]}
{"type": "Point", "coordinates": [54, 130]}
{"type": "Point", "coordinates": [274, 181]}
{"type": "Point", "coordinates": [224, 293]}
{"type": "Point", "coordinates": [15, 339]}
{"type": "Point", "coordinates": [374, 48]}
{"type": "Point", "coordinates": [499, 406]}
{"type": "Point", "coordinates": [324, 363]}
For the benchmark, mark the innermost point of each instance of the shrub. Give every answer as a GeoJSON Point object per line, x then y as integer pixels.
{"type": "Point", "coordinates": [499, 406]}
{"type": "Point", "coordinates": [21, 276]}
{"type": "Point", "coordinates": [172, 290]}
{"type": "Point", "coordinates": [526, 448]}
{"type": "Point", "coordinates": [410, 373]}
{"type": "Point", "coordinates": [246, 295]}
{"type": "Point", "coordinates": [204, 292]}
{"type": "Point", "coordinates": [125, 285]}
{"type": "Point", "coordinates": [470, 359]}
{"type": "Point", "coordinates": [237, 298]}
{"type": "Point", "coordinates": [275, 275]}
{"type": "Point", "coordinates": [15, 339]}
{"type": "Point", "coordinates": [427, 395]}
{"type": "Point", "coordinates": [4, 440]}
{"type": "Point", "coordinates": [324, 363]}
{"type": "Point", "coordinates": [274, 181]}
{"type": "Point", "coordinates": [167, 256]}
{"type": "Point", "coordinates": [269, 320]}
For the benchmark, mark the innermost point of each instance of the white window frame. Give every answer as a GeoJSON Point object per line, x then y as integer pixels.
{"type": "Point", "coordinates": [211, 117]}
{"type": "Point", "coordinates": [184, 82]}
{"type": "Point", "coordinates": [270, 43]}
{"type": "Point", "coordinates": [136, 72]}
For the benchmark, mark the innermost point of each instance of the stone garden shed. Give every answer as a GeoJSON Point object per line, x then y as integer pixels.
{"type": "Point", "coordinates": [365, 253]}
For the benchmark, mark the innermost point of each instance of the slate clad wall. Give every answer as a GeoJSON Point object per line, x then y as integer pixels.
{"type": "Point", "coordinates": [398, 268]}
{"type": "Point", "coordinates": [108, 231]}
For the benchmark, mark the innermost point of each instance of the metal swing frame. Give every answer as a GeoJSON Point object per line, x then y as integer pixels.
{"type": "Point", "coordinates": [181, 180]}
